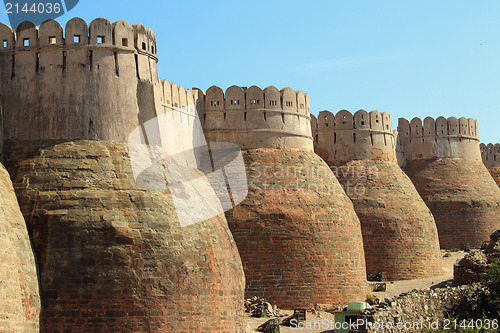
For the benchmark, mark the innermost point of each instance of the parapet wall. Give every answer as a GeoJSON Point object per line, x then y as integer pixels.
{"type": "Point", "coordinates": [345, 137]}
{"type": "Point", "coordinates": [490, 154]}
{"type": "Point", "coordinates": [84, 84]}
{"type": "Point", "coordinates": [440, 138]}
{"type": "Point", "coordinates": [256, 118]}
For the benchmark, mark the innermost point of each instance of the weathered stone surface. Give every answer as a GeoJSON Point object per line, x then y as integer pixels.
{"type": "Point", "coordinates": [495, 173]}
{"type": "Point", "coordinates": [462, 196]}
{"type": "Point", "coordinates": [19, 296]}
{"type": "Point", "coordinates": [469, 269]}
{"type": "Point", "coordinates": [297, 233]}
{"type": "Point", "coordinates": [399, 231]}
{"type": "Point", "coordinates": [112, 255]}
{"type": "Point", "coordinates": [420, 309]}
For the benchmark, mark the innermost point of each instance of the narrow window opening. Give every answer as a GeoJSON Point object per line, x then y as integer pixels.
{"type": "Point", "coordinates": [5, 44]}
{"type": "Point", "coordinates": [354, 137]}
{"type": "Point", "coordinates": [144, 46]}
{"type": "Point", "coordinates": [316, 137]}
{"type": "Point", "coordinates": [245, 116]}
{"type": "Point", "coordinates": [76, 39]}
{"type": "Point", "coordinates": [137, 66]}
{"type": "Point", "coordinates": [117, 68]}
{"type": "Point", "coordinates": [362, 123]}
{"type": "Point", "coordinates": [334, 137]}
{"type": "Point", "coordinates": [265, 116]}
{"type": "Point", "coordinates": [152, 49]}
{"type": "Point", "coordinates": [371, 138]}
{"type": "Point", "coordinates": [385, 140]}
{"type": "Point", "coordinates": [204, 117]}
{"type": "Point", "coordinates": [37, 62]}
{"type": "Point", "coordinates": [124, 41]}
{"type": "Point", "coordinates": [91, 57]}
{"type": "Point", "coordinates": [344, 116]}
{"type": "Point", "coordinates": [283, 117]}
{"type": "Point", "coordinates": [13, 66]}
{"type": "Point", "coordinates": [100, 39]}
{"type": "Point", "coordinates": [224, 116]}
{"type": "Point", "coordinates": [64, 60]}
{"type": "Point", "coordinates": [326, 124]}
{"type": "Point", "coordinates": [52, 40]}
{"type": "Point", "coordinates": [26, 42]}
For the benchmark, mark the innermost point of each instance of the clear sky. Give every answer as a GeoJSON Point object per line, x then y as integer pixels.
{"type": "Point", "coordinates": [408, 58]}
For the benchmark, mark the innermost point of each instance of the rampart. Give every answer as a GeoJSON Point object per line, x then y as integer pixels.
{"type": "Point", "coordinates": [346, 137]}
{"type": "Point", "coordinates": [90, 83]}
{"type": "Point", "coordinates": [440, 138]}
{"type": "Point", "coordinates": [443, 160]}
{"type": "Point", "coordinates": [490, 154]}
{"type": "Point", "coordinates": [399, 232]}
{"type": "Point", "coordinates": [255, 118]}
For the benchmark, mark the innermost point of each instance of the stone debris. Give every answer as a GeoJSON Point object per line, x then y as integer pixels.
{"type": "Point", "coordinates": [259, 308]}
{"type": "Point", "coordinates": [469, 269]}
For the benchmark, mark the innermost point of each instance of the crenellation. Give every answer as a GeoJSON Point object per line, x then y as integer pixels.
{"type": "Point", "coordinates": [452, 137]}
{"type": "Point", "coordinates": [346, 137]}
{"type": "Point", "coordinates": [256, 118]}
{"type": "Point", "coordinates": [490, 154]}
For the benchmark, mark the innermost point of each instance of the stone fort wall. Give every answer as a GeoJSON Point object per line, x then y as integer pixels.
{"type": "Point", "coordinates": [399, 233]}
{"type": "Point", "coordinates": [255, 118]}
{"type": "Point", "coordinates": [443, 160]}
{"type": "Point", "coordinates": [490, 154]}
{"type": "Point", "coordinates": [440, 138]}
{"type": "Point", "coordinates": [345, 137]}
{"type": "Point", "coordinates": [83, 85]}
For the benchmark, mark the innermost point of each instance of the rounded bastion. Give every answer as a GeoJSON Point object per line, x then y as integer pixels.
{"type": "Point", "coordinates": [297, 232]}
{"type": "Point", "coordinates": [443, 160]}
{"type": "Point", "coordinates": [490, 154]}
{"type": "Point", "coordinates": [399, 232]}
{"type": "Point", "coordinates": [112, 253]}
{"type": "Point", "coordinates": [20, 299]}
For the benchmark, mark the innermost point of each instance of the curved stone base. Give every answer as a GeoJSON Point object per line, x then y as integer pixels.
{"type": "Point", "coordinates": [399, 232]}
{"type": "Point", "coordinates": [19, 296]}
{"type": "Point", "coordinates": [297, 233]}
{"type": "Point", "coordinates": [113, 255]}
{"type": "Point", "coordinates": [462, 196]}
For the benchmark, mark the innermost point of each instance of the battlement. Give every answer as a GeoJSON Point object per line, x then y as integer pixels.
{"type": "Point", "coordinates": [440, 138]}
{"type": "Point", "coordinates": [96, 81]}
{"type": "Point", "coordinates": [100, 34]}
{"type": "Point", "coordinates": [345, 137]}
{"type": "Point", "coordinates": [256, 118]}
{"type": "Point", "coordinates": [490, 154]}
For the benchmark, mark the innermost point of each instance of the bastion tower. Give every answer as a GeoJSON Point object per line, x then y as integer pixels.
{"type": "Point", "coordinates": [297, 232]}
{"type": "Point", "coordinates": [443, 160]}
{"type": "Point", "coordinates": [19, 289]}
{"type": "Point", "coordinates": [490, 154]}
{"type": "Point", "coordinates": [110, 249]}
{"type": "Point", "coordinates": [399, 233]}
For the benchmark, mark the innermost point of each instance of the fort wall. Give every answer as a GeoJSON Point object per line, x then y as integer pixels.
{"type": "Point", "coordinates": [443, 159]}
{"type": "Point", "coordinates": [490, 154]}
{"type": "Point", "coordinates": [255, 118]}
{"type": "Point", "coordinates": [84, 84]}
{"type": "Point", "coordinates": [360, 136]}
{"type": "Point", "coordinates": [440, 138]}
{"type": "Point", "coordinates": [19, 289]}
{"type": "Point", "coordinates": [399, 233]}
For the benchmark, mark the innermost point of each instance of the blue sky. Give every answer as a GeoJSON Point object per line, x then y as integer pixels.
{"type": "Point", "coordinates": [408, 58]}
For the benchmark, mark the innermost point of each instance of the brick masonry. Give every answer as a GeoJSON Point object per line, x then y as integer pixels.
{"type": "Point", "coordinates": [399, 231]}
{"type": "Point", "coordinates": [297, 232]}
{"type": "Point", "coordinates": [462, 196]}
{"type": "Point", "coordinates": [112, 255]}
{"type": "Point", "coordinates": [495, 173]}
{"type": "Point", "coordinates": [19, 295]}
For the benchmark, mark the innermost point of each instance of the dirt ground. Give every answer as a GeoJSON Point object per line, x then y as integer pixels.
{"type": "Point", "coordinates": [393, 289]}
